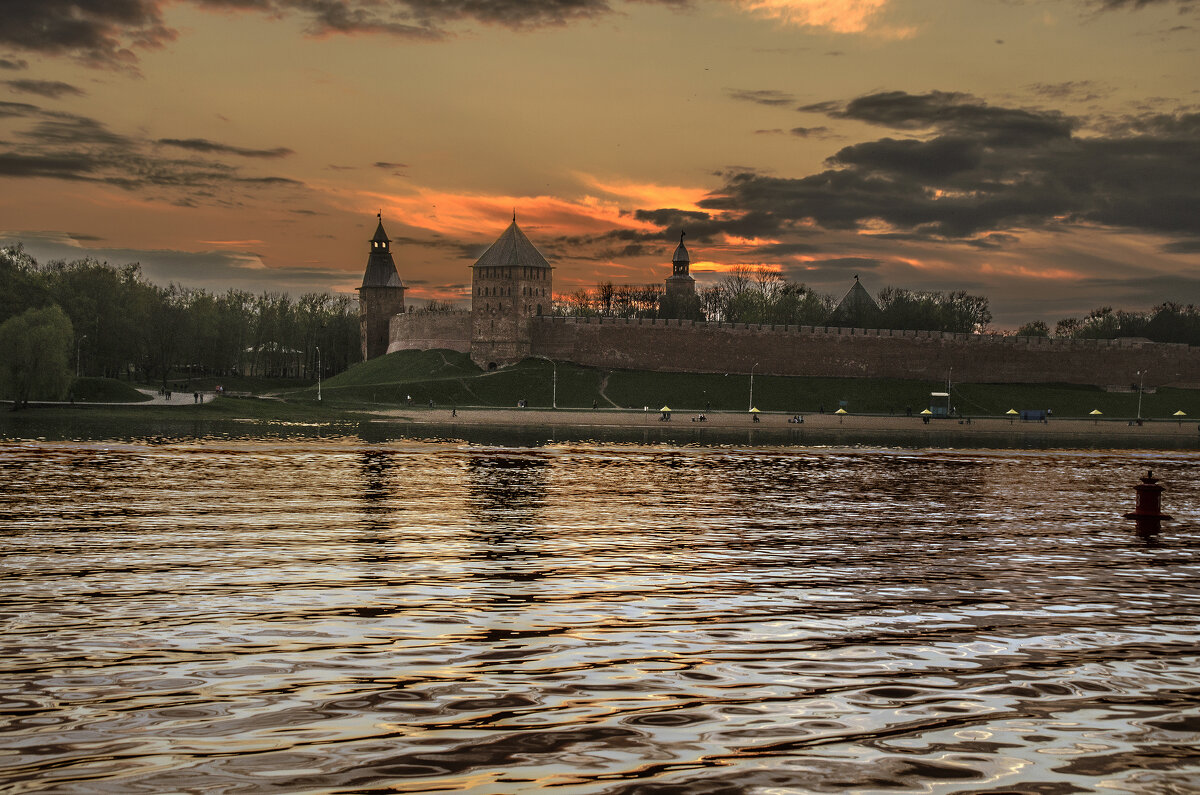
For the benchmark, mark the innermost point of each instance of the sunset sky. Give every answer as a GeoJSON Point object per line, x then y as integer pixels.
{"type": "Point", "coordinates": [1044, 153]}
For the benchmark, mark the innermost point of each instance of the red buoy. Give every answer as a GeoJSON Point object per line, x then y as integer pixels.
{"type": "Point", "coordinates": [1147, 512]}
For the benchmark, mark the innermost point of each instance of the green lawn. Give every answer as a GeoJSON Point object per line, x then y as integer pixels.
{"type": "Point", "coordinates": [451, 379]}
{"type": "Point", "coordinates": [104, 390]}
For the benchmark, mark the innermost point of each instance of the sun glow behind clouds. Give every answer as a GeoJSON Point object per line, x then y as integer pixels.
{"type": "Point", "coordinates": [472, 215]}
{"type": "Point", "coordinates": [840, 16]}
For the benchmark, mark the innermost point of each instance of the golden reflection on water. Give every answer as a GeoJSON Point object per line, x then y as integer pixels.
{"type": "Point", "coordinates": [332, 615]}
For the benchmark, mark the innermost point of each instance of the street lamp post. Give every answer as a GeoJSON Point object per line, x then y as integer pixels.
{"type": "Point", "coordinates": [553, 382]}
{"type": "Point", "coordinates": [752, 385]}
{"type": "Point", "coordinates": [78, 341]}
{"type": "Point", "coordinates": [949, 378]}
{"type": "Point", "coordinates": [318, 373]}
{"type": "Point", "coordinates": [1141, 380]}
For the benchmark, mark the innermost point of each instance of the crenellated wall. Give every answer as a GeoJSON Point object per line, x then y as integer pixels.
{"type": "Point", "coordinates": [698, 346]}
{"type": "Point", "coordinates": [686, 346]}
{"type": "Point", "coordinates": [421, 331]}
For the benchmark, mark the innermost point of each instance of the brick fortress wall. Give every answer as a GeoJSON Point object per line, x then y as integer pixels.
{"type": "Point", "coordinates": [686, 346]}
{"type": "Point", "coordinates": [420, 331]}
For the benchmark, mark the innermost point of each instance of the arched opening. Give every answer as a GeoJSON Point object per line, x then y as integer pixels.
{"type": "Point", "coordinates": [491, 365]}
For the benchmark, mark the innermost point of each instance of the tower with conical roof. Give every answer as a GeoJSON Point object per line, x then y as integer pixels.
{"type": "Point", "coordinates": [511, 283]}
{"type": "Point", "coordinates": [381, 295]}
{"type": "Point", "coordinates": [679, 298]}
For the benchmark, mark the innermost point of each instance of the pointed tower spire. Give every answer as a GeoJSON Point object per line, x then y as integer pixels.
{"type": "Point", "coordinates": [381, 295]}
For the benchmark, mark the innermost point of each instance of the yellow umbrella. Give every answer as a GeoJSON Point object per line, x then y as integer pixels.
{"type": "Point", "coordinates": [1181, 415]}
{"type": "Point", "coordinates": [926, 411]}
{"type": "Point", "coordinates": [665, 408]}
{"type": "Point", "coordinates": [1096, 413]}
{"type": "Point", "coordinates": [840, 411]}
{"type": "Point", "coordinates": [1012, 413]}
{"type": "Point", "coordinates": [755, 411]}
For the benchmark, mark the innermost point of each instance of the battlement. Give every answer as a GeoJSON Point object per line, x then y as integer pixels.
{"type": "Point", "coordinates": [1065, 343]}
{"type": "Point", "coordinates": [832, 351]}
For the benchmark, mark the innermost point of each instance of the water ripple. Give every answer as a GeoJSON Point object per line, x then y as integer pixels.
{"type": "Point", "coordinates": [335, 616]}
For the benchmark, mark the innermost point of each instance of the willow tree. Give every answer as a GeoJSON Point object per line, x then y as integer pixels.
{"type": "Point", "coordinates": [35, 355]}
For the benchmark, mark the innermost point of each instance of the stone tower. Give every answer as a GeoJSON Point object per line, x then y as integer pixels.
{"type": "Point", "coordinates": [679, 299]}
{"type": "Point", "coordinates": [510, 285]}
{"type": "Point", "coordinates": [380, 297]}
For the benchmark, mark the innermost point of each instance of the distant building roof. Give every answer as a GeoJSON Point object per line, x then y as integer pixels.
{"type": "Point", "coordinates": [381, 268]}
{"type": "Point", "coordinates": [512, 249]}
{"type": "Point", "coordinates": [857, 308]}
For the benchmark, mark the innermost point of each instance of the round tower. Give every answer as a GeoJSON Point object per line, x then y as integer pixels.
{"type": "Point", "coordinates": [381, 295]}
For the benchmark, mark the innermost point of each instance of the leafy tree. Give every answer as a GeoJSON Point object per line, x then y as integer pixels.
{"type": "Point", "coordinates": [1066, 327]}
{"type": "Point", "coordinates": [929, 310]}
{"type": "Point", "coordinates": [1036, 328]}
{"type": "Point", "coordinates": [35, 355]}
{"type": "Point", "coordinates": [1172, 322]}
{"type": "Point", "coordinates": [22, 287]}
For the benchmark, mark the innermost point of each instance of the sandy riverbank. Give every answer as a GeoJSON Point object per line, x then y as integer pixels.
{"type": "Point", "coordinates": [816, 428]}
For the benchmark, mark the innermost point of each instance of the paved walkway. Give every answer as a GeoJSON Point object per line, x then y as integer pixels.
{"type": "Point", "coordinates": [177, 398]}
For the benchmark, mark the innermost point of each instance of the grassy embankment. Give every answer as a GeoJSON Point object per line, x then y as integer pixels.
{"type": "Point", "coordinates": [451, 379]}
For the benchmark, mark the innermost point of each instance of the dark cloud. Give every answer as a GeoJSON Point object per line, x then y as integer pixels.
{"type": "Point", "coordinates": [761, 96]}
{"type": "Point", "coordinates": [785, 249]}
{"type": "Point", "coordinates": [15, 64]}
{"type": "Point", "coordinates": [67, 146]}
{"type": "Point", "coordinates": [995, 241]}
{"type": "Point", "coordinates": [51, 89]}
{"type": "Point", "coordinates": [99, 32]}
{"type": "Point", "coordinates": [1113, 5]}
{"type": "Point", "coordinates": [929, 160]}
{"type": "Point", "coordinates": [972, 173]}
{"type": "Point", "coordinates": [1183, 247]}
{"type": "Point", "coordinates": [108, 33]}
{"type": "Point", "coordinates": [72, 167]}
{"type": "Point", "coordinates": [950, 111]}
{"type": "Point", "coordinates": [1080, 90]}
{"type": "Point", "coordinates": [216, 271]}
{"type": "Point", "coordinates": [212, 147]}
{"type": "Point", "coordinates": [389, 166]}
{"type": "Point", "coordinates": [17, 109]}
{"type": "Point", "coordinates": [810, 132]}
{"type": "Point", "coordinates": [671, 217]}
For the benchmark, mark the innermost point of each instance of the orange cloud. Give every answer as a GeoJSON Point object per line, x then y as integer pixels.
{"type": "Point", "coordinates": [648, 194]}
{"type": "Point", "coordinates": [839, 16]}
{"type": "Point", "coordinates": [1051, 274]}
{"type": "Point", "coordinates": [472, 215]}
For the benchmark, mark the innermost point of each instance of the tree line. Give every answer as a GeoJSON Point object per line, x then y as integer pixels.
{"type": "Point", "coordinates": [763, 295]}
{"type": "Point", "coordinates": [1167, 322]}
{"type": "Point", "coordinates": [122, 326]}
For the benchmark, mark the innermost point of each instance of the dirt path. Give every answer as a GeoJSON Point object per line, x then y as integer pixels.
{"type": "Point", "coordinates": [603, 394]}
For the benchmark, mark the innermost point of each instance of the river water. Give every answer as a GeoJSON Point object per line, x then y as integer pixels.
{"type": "Point", "coordinates": [332, 615]}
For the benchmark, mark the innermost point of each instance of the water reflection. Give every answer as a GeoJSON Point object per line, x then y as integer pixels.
{"type": "Point", "coordinates": [593, 619]}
